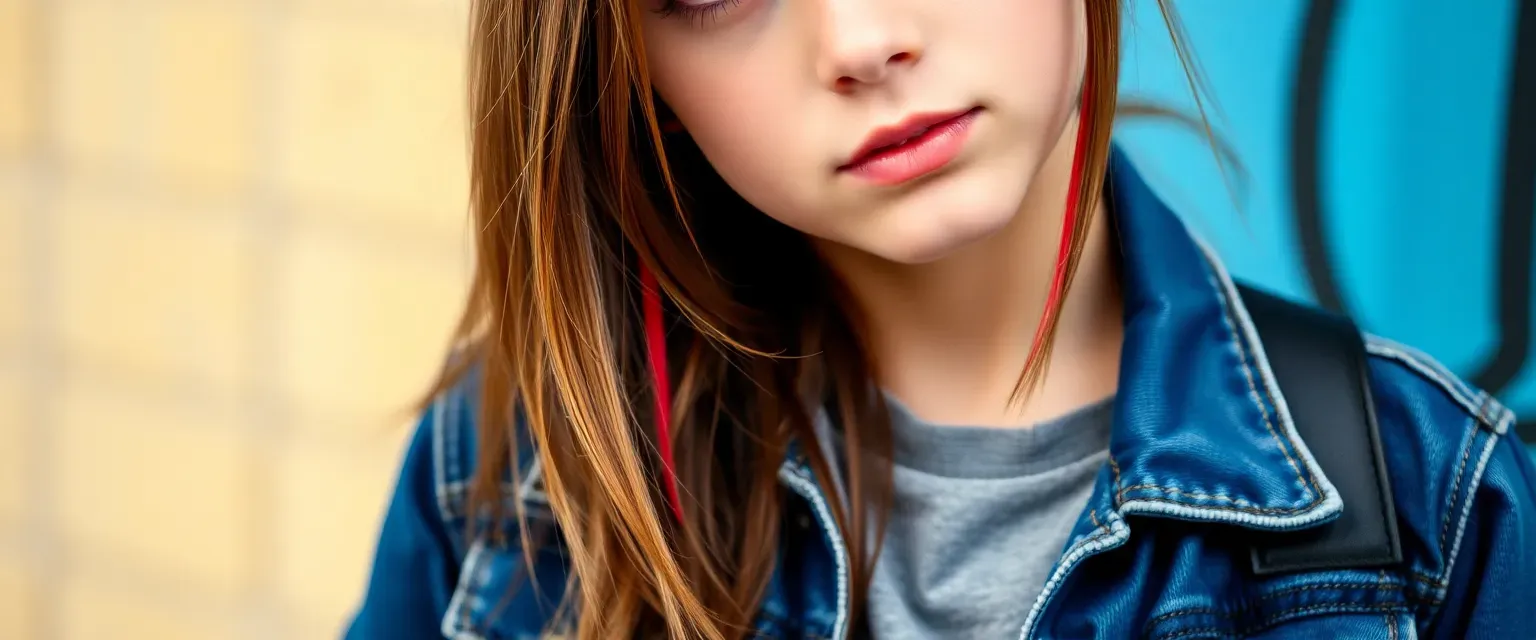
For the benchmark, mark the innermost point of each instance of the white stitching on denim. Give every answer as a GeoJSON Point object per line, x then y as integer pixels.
{"type": "Point", "coordinates": [1495, 415]}
{"type": "Point", "coordinates": [1253, 393]}
{"type": "Point", "coordinates": [454, 624]}
{"type": "Point", "coordinates": [1232, 304]}
{"type": "Point", "coordinates": [1211, 513]}
{"type": "Point", "coordinates": [1391, 619]}
{"type": "Point", "coordinates": [1461, 472]}
{"type": "Point", "coordinates": [1421, 363]}
{"type": "Point", "coordinates": [439, 471]}
{"type": "Point", "coordinates": [459, 491]}
{"type": "Point", "coordinates": [1237, 504]}
{"type": "Point", "coordinates": [1331, 501]}
{"type": "Point", "coordinates": [807, 489]}
{"type": "Point", "coordinates": [1506, 418]}
{"type": "Point", "coordinates": [1110, 537]}
{"type": "Point", "coordinates": [1466, 511]}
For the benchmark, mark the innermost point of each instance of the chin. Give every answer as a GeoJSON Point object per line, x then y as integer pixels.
{"type": "Point", "coordinates": [928, 229]}
{"type": "Point", "coordinates": [930, 236]}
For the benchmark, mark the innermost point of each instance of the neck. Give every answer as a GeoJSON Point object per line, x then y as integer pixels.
{"type": "Point", "coordinates": [950, 338]}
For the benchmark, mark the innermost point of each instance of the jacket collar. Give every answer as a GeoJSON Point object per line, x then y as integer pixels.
{"type": "Point", "coordinates": [1201, 430]}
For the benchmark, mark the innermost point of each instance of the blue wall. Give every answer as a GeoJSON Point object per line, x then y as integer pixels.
{"type": "Point", "coordinates": [1390, 158]}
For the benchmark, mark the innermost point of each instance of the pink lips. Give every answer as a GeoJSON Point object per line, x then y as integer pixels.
{"type": "Point", "coordinates": [916, 146]}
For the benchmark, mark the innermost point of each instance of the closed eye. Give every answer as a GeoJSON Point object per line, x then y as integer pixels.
{"type": "Point", "coordinates": [699, 13]}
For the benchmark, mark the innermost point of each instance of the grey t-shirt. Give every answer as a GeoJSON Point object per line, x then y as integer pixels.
{"type": "Point", "coordinates": [980, 517]}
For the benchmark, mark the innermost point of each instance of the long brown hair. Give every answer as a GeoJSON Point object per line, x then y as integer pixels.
{"type": "Point", "coordinates": [572, 189]}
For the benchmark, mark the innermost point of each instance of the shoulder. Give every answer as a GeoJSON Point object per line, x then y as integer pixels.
{"type": "Point", "coordinates": [493, 593]}
{"type": "Point", "coordinates": [442, 564]}
{"type": "Point", "coordinates": [1419, 400]}
{"type": "Point", "coordinates": [1429, 415]}
{"type": "Point", "coordinates": [448, 440]}
{"type": "Point", "coordinates": [1453, 460]}
{"type": "Point", "coordinates": [1401, 370]}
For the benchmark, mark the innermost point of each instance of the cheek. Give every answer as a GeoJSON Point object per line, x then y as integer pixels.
{"type": "Point", "coordinates": [1035, 50]}
{"type": "Point", "coordinates": [751, 117]}
{"type": "Point", "coordinates": [747, 132]}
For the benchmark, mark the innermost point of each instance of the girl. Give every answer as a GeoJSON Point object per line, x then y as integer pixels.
{"type": "Point", "coordinates": [843, 318]}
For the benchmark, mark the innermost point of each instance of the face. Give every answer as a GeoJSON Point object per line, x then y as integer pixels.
{"type": "Point", "coordinates": [902, 128]}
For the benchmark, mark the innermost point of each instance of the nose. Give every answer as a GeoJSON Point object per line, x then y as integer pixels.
{"type": "Point", "coordinates": [863, 42]}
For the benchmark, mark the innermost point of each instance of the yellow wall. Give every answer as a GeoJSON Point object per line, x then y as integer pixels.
{"type": "Point", "coordinates": [232, 244]}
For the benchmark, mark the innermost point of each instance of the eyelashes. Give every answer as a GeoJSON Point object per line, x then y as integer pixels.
{"type": "Point", "coordinates": [699, 13]}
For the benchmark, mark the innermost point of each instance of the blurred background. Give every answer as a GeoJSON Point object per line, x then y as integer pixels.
{"type": "Point", "coordinates": [233, 242]}
{"type": "Point", "coordinates": [232, 245]}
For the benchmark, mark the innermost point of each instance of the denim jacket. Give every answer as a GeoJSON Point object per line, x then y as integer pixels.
{"type": "Point", "coordinates": [1203, 458]}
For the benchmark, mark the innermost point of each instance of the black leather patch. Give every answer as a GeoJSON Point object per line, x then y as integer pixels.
{"type": "Point", "coordinates": [1319, 361]}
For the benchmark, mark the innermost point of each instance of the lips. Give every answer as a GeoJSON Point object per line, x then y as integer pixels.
{"type": "Point", "coordinates": [918, 145]}
{"type": "Point", "coordinates": [889, 137]}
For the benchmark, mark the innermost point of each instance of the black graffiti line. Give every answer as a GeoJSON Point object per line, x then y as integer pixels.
{"type": "Point", "coordinates": [1518, 197]}
{"type": "Point", "coordinates": [1517, 217]}
{"type": "Point", "coordinates": [1306, 134]}
{"type": "Point", "coordinates": [1516, 211]}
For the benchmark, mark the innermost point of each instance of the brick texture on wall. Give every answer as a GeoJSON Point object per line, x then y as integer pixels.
{"type": "Point", "coordinates": [233, 243]}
